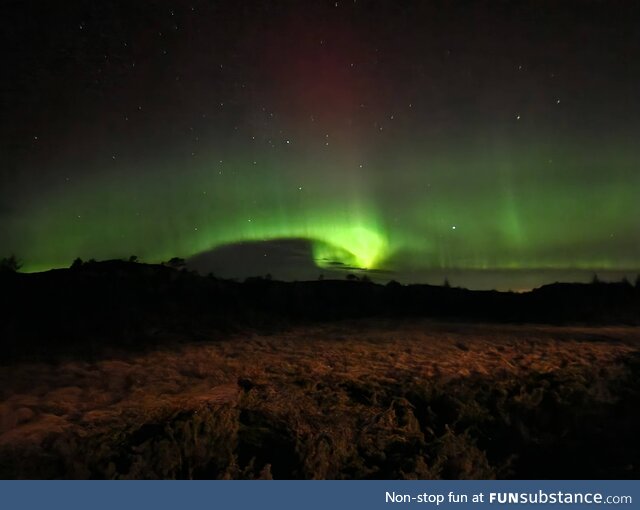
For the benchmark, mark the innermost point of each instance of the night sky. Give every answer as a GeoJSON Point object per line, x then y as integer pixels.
{"type": "Point", "coordinates": [493, 142]}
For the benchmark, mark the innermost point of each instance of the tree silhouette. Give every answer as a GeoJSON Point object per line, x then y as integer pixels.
{"type": "Point", "coordinates": [10, 264]}
{"type": "Point", "coordinates": [176, 263]}
{"type": "Point", "coordinates": [77, 263]}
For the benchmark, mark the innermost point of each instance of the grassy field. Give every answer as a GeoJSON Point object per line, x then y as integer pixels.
{"type": "Point", "coordinates": [352, 399]}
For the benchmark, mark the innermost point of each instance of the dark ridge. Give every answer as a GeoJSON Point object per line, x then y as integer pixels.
{"type": "Point", "coordinates": [98, 305]}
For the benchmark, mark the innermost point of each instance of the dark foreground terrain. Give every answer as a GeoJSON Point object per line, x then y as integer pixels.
{"type": "Point", "coordinates": [117, 370]}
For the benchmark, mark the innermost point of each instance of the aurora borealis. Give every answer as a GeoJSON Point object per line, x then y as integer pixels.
{"type": "Point", "coordinates": [410, 138]}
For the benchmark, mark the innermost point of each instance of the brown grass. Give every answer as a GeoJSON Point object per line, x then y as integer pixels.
{"type": "Point", "coordinates": [345, 400]}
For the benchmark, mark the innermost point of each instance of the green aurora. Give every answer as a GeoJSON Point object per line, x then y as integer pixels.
{"type": "Point", "coordinates": [412, 140]}
{"type": "Point", "coordinates": [473, 209]}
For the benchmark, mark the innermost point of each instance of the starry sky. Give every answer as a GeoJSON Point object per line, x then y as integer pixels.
{"type": "Point", "coordinates": [491, 142]}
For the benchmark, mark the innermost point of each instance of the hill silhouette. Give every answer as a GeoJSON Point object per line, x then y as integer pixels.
{"type": "Point", "coordinates": [94, 305]}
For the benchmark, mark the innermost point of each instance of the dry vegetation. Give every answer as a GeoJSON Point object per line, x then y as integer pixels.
{"type": "Point", "coordinates": [356, 399]}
